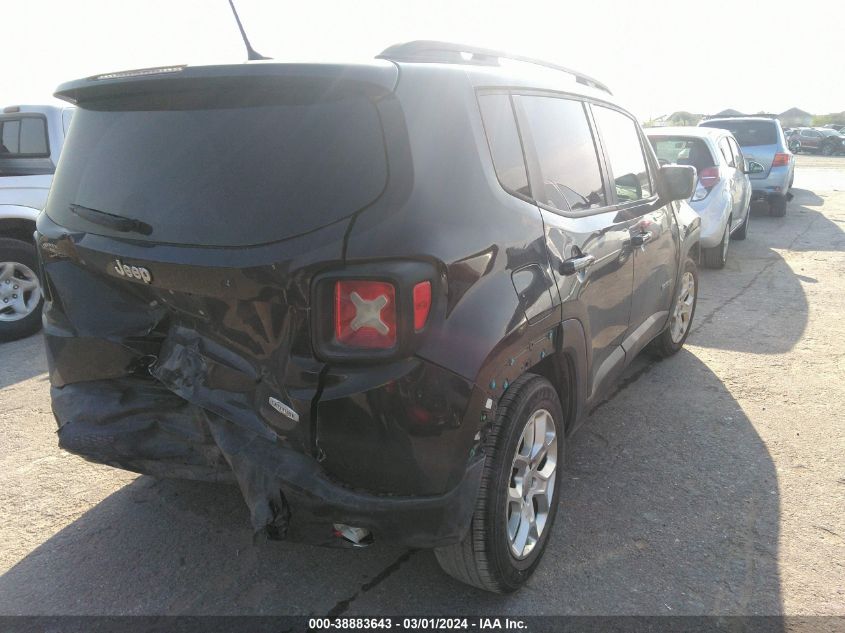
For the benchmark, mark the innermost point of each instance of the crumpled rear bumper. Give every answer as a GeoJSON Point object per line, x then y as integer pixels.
{"type": "Point", "coordinates": [140, 425]}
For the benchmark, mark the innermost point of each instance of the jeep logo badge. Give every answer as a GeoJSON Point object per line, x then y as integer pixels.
{"type": "Point", "coordinates": [133, 272]}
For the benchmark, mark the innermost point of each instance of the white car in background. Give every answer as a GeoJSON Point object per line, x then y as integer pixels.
{"type": "Point", "coordinates": [723, 193]}
{"type": "Point", "coordinates": [31, 138]}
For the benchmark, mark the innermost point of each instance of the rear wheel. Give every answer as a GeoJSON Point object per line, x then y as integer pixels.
{"type": "Point", "coordinates": [518, 497]}
{"type": "Point", "coordinates": [777, 207]}
{"type": "Point", "coordinates": [20, 290]}
{"type": "Point", "coordinates": [717, 256]}
{"type": "Point", "coordinates": [672, 339]}
{"type": "Point", "coordinates": [742, 232]}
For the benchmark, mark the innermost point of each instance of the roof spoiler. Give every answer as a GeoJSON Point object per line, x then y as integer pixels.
{"type": "Point", "coordinates": [447, 53]}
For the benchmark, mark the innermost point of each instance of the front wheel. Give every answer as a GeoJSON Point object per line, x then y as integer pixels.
{"type": "Point", "coordinates": [20, 290]}
{"type": "Point", "coordinates": [673, 337]}
{"type": "Point", "coordinates": [518, 497]}
{"type": "Point", "coordinates": [827, 149]}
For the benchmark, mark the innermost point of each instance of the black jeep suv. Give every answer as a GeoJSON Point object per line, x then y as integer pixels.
{"type": "Point", "coordinates": [377, 297]}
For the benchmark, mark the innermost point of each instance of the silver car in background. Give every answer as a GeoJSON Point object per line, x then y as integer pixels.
{"type": "Point", "coordinates": [723, 193]}
{"type": "Point", "coordinates": [763, 142]}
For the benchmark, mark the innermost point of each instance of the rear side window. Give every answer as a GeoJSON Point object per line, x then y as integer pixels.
{"type": "Point", "coordinates": [748, 133]}
{"type": "Point", "coordinates": [682, 150]}
{"type": "Point", "coordinates": [505, 146]}
{"type": "Point", "coordinates": [24, 137]}
{"type": "Point", "coordinates": [566, 152]}
{"type": "Point", "coordinates": [231, 176]}
{"type": "Point", "coordinates": [625, 153]}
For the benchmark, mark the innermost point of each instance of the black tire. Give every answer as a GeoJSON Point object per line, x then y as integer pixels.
{"type": "Point", "coordinates": [18, 251]}
{"type": "Point", "coordinates": [717, 256]}
{"type": "Point", "coordinates": [663, 344]}
{"type": "Point", "coordinates": [827, 149]}
{"type": "Point", "coordinates": [742, 232]}
{"type": "Point", "coordinates": [484, 558]}
{"type": "Point", "coordinates": [777, 207]}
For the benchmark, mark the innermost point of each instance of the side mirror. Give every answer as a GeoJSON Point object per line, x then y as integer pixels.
{"type": "Point", "coordinates": [753, 167]}
{"type": "Point", "coordinates": [677, 182]}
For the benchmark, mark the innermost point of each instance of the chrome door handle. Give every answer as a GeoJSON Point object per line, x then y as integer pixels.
{"type": "Point", "coordinates": [641, 239]}
{"type": "Point", "coordinates": [576, 264]}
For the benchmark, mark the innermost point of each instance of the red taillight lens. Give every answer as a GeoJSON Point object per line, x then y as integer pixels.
{"type": "Point", "coordinates": [365, 314]}
{"type": "Point", "coordinates": [780, 160]}
{"type": "Point", "coordinates": [709, 177]}
{"type": "Point", "coordinates": [422, 304]}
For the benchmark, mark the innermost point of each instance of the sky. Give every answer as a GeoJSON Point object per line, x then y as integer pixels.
{"type": "Point", "coordinates": [657, 57]}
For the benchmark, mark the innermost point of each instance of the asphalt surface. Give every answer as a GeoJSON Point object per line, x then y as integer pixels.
{"type": "Point", "coordinates": [709, 483]}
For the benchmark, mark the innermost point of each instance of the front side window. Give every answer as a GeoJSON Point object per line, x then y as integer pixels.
{"type": "Point", "coordinates": [625, 153]}
{"type": "Point", "coordinates": [503, 139]}
{"type": "Point", "coordinates": [566, 152]}
{"type": "Point", "coordinates": [23, 137]}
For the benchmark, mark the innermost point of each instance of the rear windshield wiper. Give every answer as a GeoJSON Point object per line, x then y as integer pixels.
{"type": "Point", "coordinates": [112, 221]}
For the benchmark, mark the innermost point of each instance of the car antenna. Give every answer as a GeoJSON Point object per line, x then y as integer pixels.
{"type": "Point", "coordinates": [251, 53]}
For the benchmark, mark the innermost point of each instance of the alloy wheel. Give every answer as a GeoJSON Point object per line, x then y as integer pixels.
{"type": "Point", "coordinates": [20, 292]}
{"type": "Point", "coordinates": [532, 483]}
{"type": "Point", "coordinates": [682, 312]}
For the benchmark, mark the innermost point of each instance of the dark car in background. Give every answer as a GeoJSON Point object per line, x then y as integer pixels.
{"type": "Point", "coordinates": [378, 296]}
{"type": "Point", "coordinates": [820, 140]}
{"type": "Point", "coordinates": [762, 141]}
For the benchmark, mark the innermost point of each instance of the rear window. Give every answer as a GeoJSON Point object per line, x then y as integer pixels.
{"type": "Point", "coordinates": [748, 133]}
{"type": "Point", "coordinates": [23, 137]}
{"type": "Point", "coordinates": [221, 177]}
{"type": "Point", "coordinates": [682, 150]}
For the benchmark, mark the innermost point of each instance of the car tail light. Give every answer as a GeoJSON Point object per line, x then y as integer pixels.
{"type": "Point", "coordinates": [422, 304]}
{"type": "Point", "coordinates": [780, 160]}
{"type": "Point", "coordinates": [709, 177]}
{"type": "Point", "coordinates": [365, 314]}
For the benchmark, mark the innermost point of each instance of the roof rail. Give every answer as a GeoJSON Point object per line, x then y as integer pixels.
{"type": "Point", "coordinates": [448, 53]}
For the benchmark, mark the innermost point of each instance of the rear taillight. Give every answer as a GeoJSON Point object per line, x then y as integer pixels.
{"type": "Point", "coordinates": [422, 304]}
{"type": "Point", "coordinates": [709, 177]}
{"type": "Point", "coordinates": [365, 314]}
{"type": "Point", "coordinates": [780, 160]}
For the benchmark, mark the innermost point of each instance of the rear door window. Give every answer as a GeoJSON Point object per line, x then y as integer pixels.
{"type": "Point", "coordinates": [621, 139]}
{"type": "Point", "coordinates": [505, 146]}
{"type": "Point", "coordinates": [560, 134]}
{"type": "Point", "coordinates": [727, 152]}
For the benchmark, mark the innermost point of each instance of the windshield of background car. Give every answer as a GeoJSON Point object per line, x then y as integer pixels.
{"type": "Point", "coordinates": [748, 133]}
{"type": "Point", "coordinates": [228, 176]}
{"type": "Point", "coordinates": [682, 150]}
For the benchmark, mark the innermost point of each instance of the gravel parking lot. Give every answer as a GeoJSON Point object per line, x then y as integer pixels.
{"type": "Point", "coordinates": [709, 483]}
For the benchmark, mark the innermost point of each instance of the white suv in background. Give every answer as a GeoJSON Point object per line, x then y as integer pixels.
{"type": "Point", "coordinates": [723, 193]}
{"type": "Point", "coordinates": [31, 138]}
